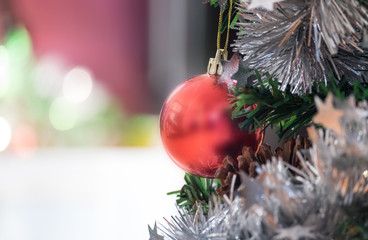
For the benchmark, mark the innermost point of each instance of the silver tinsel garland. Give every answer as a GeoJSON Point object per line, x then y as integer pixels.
{"type": "Point", "coordinates": [279, 205]}
{"type": "Point", "coordinates": [302, 41]}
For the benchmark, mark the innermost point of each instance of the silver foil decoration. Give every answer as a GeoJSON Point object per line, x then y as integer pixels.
{"type": "Point", "coordinates": [301, 42]}
{"type": "Point", "coordinates": [309, 204]}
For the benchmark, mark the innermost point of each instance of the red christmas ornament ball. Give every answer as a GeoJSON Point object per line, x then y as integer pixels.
{"type": "Point", "coordinates": [196, 126]}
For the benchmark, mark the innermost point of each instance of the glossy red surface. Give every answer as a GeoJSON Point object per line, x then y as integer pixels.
{"type": "Point", "coordinates": [196, 127]}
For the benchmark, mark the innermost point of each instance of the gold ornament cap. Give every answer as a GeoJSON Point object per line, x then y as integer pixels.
{"type": "Point", "coordinates": [214, 64]}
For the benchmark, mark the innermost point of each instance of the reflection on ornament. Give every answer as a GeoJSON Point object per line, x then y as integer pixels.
{"type": "Point", "coordinates": [196, 126]}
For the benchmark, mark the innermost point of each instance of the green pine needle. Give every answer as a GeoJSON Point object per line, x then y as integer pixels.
{"type": "Point", "coordinates": [285, 111]}
{"type": "Point", "coordinates": [196, 190]}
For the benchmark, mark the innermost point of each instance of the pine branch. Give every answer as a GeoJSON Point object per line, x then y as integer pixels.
{"type": "Point", "coordinates": [284, 110]}
{"type": "Point", "coordinates": [224, 4]}
{"type": "Point", "coordinates": [197, 190]}
{"type": "Point", "coordinates": [355, 224]}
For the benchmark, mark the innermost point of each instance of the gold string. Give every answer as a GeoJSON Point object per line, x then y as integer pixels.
{"type": "Point", "coordinates": [228, 25]}
{"type": "Point", "coordinates": [219, 30]}
{"type": "Point", "coordinates": [228, 29]}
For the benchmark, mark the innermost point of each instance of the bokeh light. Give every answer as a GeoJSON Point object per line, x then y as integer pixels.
{"type": "Point", "coordinates": [5, 135]}
{"type": "Point", "coordinates": [48, 75]}
{"type": "Point", "coordinates": [62, 114]}
{"type": "Point", "coordinates": [77, 85]}
{"type": "Point", "coordinates": [24, 140]}
{"type": "Point", "coordinates": [4, 62]}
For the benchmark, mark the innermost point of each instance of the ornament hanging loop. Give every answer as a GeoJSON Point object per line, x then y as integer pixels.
{"type": "Point", "coordinates": [214, 64]}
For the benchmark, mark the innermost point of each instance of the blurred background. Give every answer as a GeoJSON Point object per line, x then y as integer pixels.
{"type": "Point", "coordinates": [92, 73]}
{"type": "Point", "coordinates": [81, 86]}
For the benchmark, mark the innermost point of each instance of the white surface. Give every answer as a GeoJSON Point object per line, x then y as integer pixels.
{"type": "Point", "coordinates": [78, 194]}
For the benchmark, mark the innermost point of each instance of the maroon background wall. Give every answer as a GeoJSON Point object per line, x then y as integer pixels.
{"type": "Point", "coordinates": [108, 36]}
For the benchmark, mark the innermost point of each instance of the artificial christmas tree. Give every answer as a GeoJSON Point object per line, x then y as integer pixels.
{"type": "Point", "coordinates": [294, 55]}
